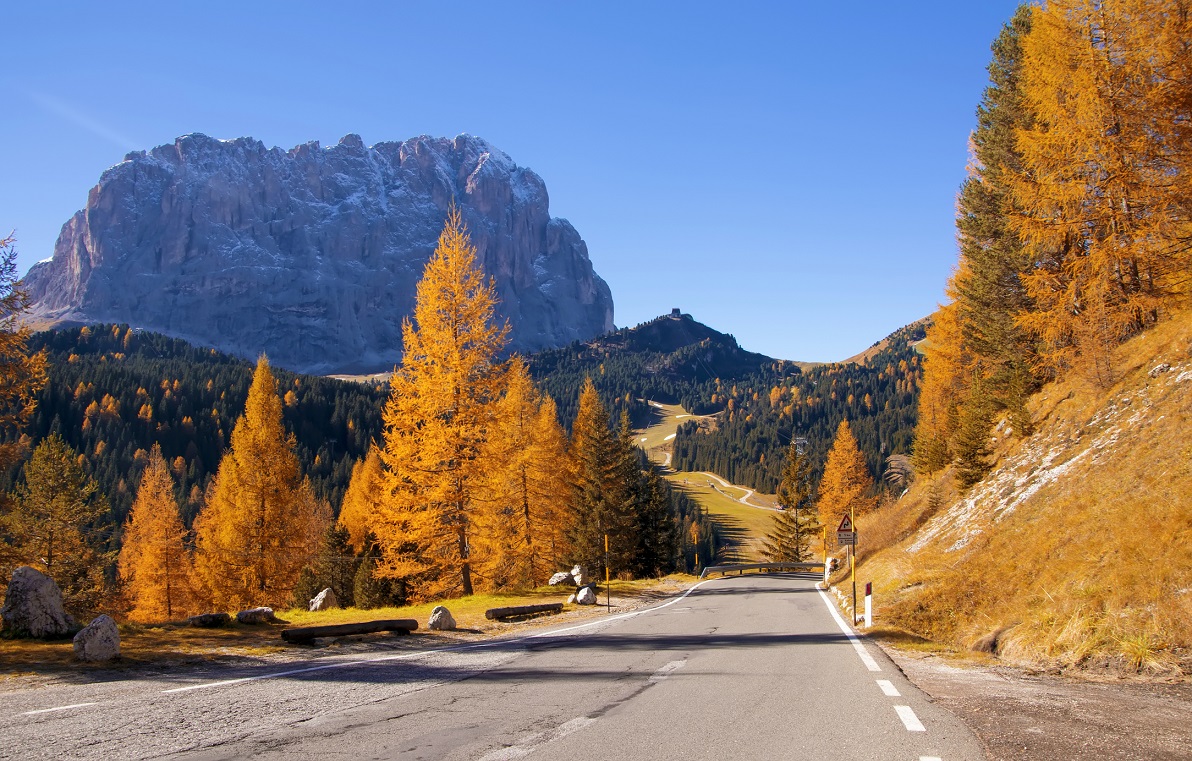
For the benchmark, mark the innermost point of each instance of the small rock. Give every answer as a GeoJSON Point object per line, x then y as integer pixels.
{"type": "Point", "coordinates": [33, 606]}
{"type": "Point", "coordinates": [1159, 369]}
{"type": "Point", "coordinates": [571, 600]}
{"type": "Point", "coordinates": [560, 578]}
{"type": "Point", "coordinates": [210, 620]}
{"type": "Point", "coordinates": [441, 620]}
{"type": "Point", "coordinates": [586, 596]}
{"type": "Point", "coordinates": [325, 600]}
{"type": "Point", "coordinates": [256, 616]}
{"type": "Point", "coordinates": [99, 641]}
{"type": "Point", "coordinates": [580, 574]}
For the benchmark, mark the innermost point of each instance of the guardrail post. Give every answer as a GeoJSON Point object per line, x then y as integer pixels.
{"type": "Point", "coordinates": [868, 604]}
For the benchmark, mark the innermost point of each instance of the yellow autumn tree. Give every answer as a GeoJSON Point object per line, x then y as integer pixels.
{"type": "Point", "coordinates": [846, 486]}
{"type": "Point", "coordinates": [362, 500]}
{"type": "Point", "coordinates": [440, 413]}
{"type": "Point", "coordinates": [1105, 192]}
{"type": "Point", "coordinates": [22, 374]}
{"type": "Point", "coordinates": [942, 390]}
{"type": "Point", "coordinates": [520, 521]}
{"type": "Point", "coordinates": [155, 566]}
{"type": "Point", "coordinates": [262, 523]}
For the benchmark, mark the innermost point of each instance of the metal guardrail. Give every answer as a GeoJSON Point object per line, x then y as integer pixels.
{"type": "Point", "coordinates": [742, 567]}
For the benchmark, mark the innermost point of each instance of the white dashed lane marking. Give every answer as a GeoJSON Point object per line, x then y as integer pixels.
{"type": "Point", "coordinates": [909, 719]}
{"type": "Point", "coordinates": [866, 658]}
{"type": "Point", "coordinates": [888, 688]}
{"type": "Point", "coordinates": [58, 708]}
{"type": "Point", "coordinates": [666, 670]}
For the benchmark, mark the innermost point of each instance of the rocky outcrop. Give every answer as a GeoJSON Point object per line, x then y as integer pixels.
{"type": "Point", "coordinates": [33, 606]}
{"type": "Point", "coordinates": [98, 641]}
{"type": "Point", "coordinates": [210, 620]}
{"type": "Point", "coordinates": [313, 254]}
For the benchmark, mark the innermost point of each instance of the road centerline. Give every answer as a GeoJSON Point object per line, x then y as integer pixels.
{"type": "Point", "coordinates": [909, 719]}
{"type": "Point", "coordinates": [58, 708]}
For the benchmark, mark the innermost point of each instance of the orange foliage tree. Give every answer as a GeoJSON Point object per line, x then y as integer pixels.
{"type": "Point", "coordinates": [520, 524]}
{"type": "Point", "coordinates": [154, 563]}
{"type": "Point", "coordinates": [437, 422]}
{"type": "Point", "coordinates": [262, 523]}
{"type": "Point", "coordinates": [846, 485]}
{"type": "Point", "coordinates": [362, 500]}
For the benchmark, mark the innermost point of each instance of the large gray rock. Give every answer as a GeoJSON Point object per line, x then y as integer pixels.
{"type": "Point", "coordinates": [33, 606]}
{"type": "Point", "coordinates": [325, 600]}
{"type": "Point", "coordinates": [585, 596]}
{"type": "Point", "coordinates": [210, 620]}
{"type": "Point", "coordinates": [98, 641]}
{"type": "Point", "coordinates": [580, 574]}
{"type": "Point", "coordinates": [562, 577]}
{"type": "Point", "coordinates": [441, 619]}
{"type": "Point", "coordinates": [312, 254]}
{"type": "Point", "coordinates": [256, 616]}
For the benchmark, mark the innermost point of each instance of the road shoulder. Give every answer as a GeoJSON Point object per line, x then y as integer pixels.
{"type": "Point", "coordinates": [1021, 715]}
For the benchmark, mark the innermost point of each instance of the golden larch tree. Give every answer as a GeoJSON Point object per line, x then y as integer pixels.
{"type": "Point", "coordinates": [22, 374]}
{"type": "Point", "coordinates": [362, 500]}
{"type": "Point", "coordinates": [155, 565]}
{"type": "Point", "coordinates": [437, 421]}
{"type": "Point", "coordinates": [262, 523]}
{"type": "Point", "coordinates": [846, 485]}
{"type": "Point", "coordinates": [1104, 194]}
{"type": "Point", "coordinates": [520, 519]}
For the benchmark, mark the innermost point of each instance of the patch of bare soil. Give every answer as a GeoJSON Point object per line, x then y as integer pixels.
{"type": "Point", "coordinates": [1025, 716]}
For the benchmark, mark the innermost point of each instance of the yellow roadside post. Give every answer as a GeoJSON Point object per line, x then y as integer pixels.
{"type": "Point", "coordinates": [608, 584]}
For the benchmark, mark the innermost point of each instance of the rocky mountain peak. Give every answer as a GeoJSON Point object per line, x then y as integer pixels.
{"type": "Point", "coordinates": [312, 254]}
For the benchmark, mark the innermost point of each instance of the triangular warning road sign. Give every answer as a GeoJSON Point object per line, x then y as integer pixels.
{"type": "Point", "coordinates": [845, 524]}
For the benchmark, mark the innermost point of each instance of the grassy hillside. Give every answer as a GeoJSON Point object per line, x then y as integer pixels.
{"type": "Point", "coordinates": [1076, 550]}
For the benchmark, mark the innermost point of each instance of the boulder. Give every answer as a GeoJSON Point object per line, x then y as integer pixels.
{"type": "Point", "coordinates": [586, 596]}
{"type": "Point", "coordinates": [1159, 369]}
{"type": "Point", "coordinates": [571, 600]}
{"type": "Point", "coordinates": [33, 606]}
{"type": "Point", "coordinates": [256, 616]}
{"type": "Point", "coordinates": [325, 600]}
{"type": "Point", "coordinates": [210, 620]}
{"type": "Point", "coordinates": [580, 574]}
{"type": "Point", "coordinates": [441, 620]}
{"type": "Point", "coordinates": [562, 577]}
{"type": "Point", "coordinates": [98, 641]}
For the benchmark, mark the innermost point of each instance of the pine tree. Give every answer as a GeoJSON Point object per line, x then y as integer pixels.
{"type": "Point", "coordinates": [154, 564]}
{"type": "Point", "coordinates": [369, 589]}
{"type": "Point", "coordinates": [54, 524]}
{"type": "Point", "coordinates": [656, 533]}
{"type": "Point", "coordinates": [593, 470]}
{"type": "Point", "coordinates": [440, 413]}
{"type": "Point", "coordinates": [797, 525]}
{"type": "Point", "coordinates": [261, 523]}
{"type": "Point", "coordinates": [846, 486]}
{"type": "Point", "coordinates": [363, 498]}
{"type": "Point", "coordinates": [989, 292]}
{"type": "Point", "coordinates": [972, 437]}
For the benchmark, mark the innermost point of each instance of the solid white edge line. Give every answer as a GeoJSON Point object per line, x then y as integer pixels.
{"type": "Point", "coordinates": [58, 708]}
{"type": "Point", "coordinates": [866, 658]}
{"type": "Point", "coordinates": [888, 688]}
{"type": "Point", "coordinates": [930, 758]}
{"type": "Point", "coordinates": [909, 719]}
{"type": "Point", "coordinates": [428, 653]}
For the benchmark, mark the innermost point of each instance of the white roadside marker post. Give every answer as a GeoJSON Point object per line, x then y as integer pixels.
{"type": "Point", "coordinates": [868, 604]}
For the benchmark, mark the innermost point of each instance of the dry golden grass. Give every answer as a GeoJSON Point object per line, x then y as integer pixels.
{"type": "Point", "coordinates": [1094, 568]}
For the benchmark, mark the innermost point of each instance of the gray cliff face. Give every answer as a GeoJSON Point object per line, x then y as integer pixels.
{"type": "Point", "coordinates": [312, 255]}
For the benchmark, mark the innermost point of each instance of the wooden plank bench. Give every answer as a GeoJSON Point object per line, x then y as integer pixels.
{"type": "Point", "coordinates": [493, 614]}
{"type": "Point", "coordinates": [308, 633]}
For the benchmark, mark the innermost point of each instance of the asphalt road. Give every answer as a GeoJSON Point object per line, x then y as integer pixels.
{"type": "Point", "coordinates": [752, 667]}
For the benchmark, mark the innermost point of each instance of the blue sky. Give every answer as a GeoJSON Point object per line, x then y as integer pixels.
{"type": "Point", "coordinates": [785, 172]}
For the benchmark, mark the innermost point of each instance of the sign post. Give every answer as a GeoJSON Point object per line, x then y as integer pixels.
{"type": "Point", "coordinates": [846, 534]}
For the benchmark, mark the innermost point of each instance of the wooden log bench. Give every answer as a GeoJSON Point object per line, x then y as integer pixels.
{"type": "Point", "coordinates": [307, 633]}
{"type": "Point", "coordinates": [493, 614]}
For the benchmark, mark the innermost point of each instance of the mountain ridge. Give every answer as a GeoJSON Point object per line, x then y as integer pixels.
{"type": "Point", "coordinates": [312, 254]}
